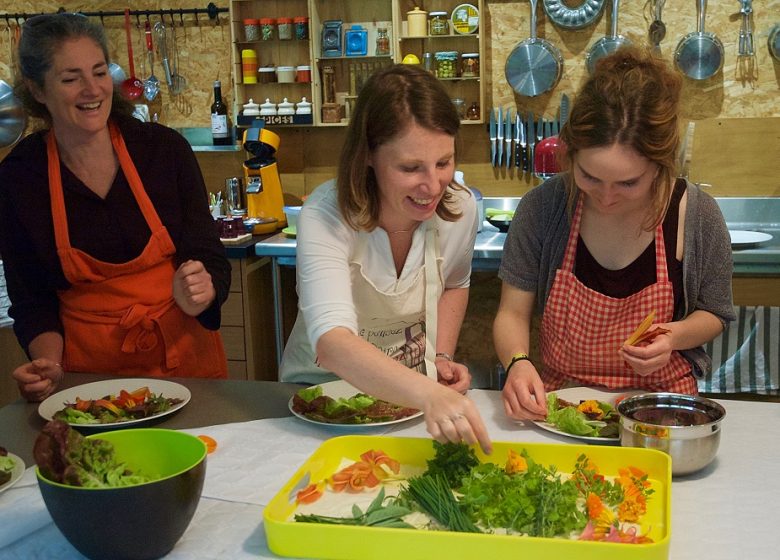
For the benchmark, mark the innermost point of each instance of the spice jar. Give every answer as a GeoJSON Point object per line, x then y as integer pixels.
{"type": "Point", "coordinates": [284, 27]}
{"type": "Point", "coordinates": [266, 75]}
{"type": "Point", "coordinates": [251, 30]}
{"type": "Point", "coordinates": [469, 65]}
{"type": "Point", "coordinates": [249, 66]}
{"type": "Point", "coordinates": [301, 28]}
{"type": "Point", "coordinates": [267, 28]}
{"type": "Point", "coordinates": [446, 64]}
{"type": "Point", "coordinates": [438, 24]}
{"type": "Point", "coordinates": [303, 74]}
{"type": "Point", "coordinates": [382, 42]}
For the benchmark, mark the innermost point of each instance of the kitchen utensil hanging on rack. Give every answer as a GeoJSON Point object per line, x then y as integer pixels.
{"type": "Point", "coordinates": [132, 88]}
{"type": "Point", "coordinates": [162, 48]}
{"type": "Point", "coordinates": [152, 84]}
{"type": "Point", "coordinates": [746, 29]}
{"type": "Point", "coordinates": [609, 44]}
{"type": "Point", "coordinates": [179, 81]}
{"type": "Point", "coordinates": [699, 55]}
{"type": "Point", "coordinates": [534, 66]}
{"type": "Point", "coordinates": [773, 42]}
{"type": "Point", "coordinates": [568, 17]}
{"type": "Point", "coordinates": [657, 30]}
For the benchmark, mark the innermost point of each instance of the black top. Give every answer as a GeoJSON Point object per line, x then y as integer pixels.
{"type": "Point", "coordinates": [112, 230]}
{"type": "Point", "coordinates": [640, 273]}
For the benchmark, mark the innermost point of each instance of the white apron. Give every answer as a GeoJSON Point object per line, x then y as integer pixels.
{"type": "Point", "coordinates": [400, 323]}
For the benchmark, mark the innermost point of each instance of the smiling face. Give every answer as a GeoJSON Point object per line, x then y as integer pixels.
{"type": "Point", "coordinates": [77, 89]}
{"type": "Point", "coordinates": [412, 172]}
{"type": "Point", "coordinates": [614, 179]}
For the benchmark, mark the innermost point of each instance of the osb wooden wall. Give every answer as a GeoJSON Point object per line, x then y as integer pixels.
{"type": "Point", "coordinates": [203, 44]}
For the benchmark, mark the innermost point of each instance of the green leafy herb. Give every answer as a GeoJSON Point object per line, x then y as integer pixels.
{"type": "Point", "coordinates": [452, 461]}
{"type": "Point", "coordinates": [376, 515]}
{"type": "Point", "coordinates": [434, 496]}
{"type": "Point", "coordinates": [310, 393]}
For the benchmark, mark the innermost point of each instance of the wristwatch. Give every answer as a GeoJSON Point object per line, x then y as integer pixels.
{"type": "Point", "coordinates": [520, 356]}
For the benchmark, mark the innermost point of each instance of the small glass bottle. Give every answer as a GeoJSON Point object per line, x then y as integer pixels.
{"type": "Point", "coordinates": [472, 113]}
{"type": "Point", "coordinates": [469, 65]}
{"type": "Point", "coordinates": [382, 42]}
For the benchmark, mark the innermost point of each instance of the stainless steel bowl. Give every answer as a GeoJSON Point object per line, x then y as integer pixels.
{"type": "Point", "coordinates": [12, 116]}
{"type": "Point", "coordinates": [684, 426]}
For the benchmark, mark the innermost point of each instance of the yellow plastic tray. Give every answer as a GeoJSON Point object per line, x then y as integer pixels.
{"type": "Point", "coordinates": [313, 540]}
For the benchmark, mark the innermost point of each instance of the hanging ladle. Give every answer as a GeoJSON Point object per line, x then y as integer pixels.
{"type": "Point", "coordinates": [657, 30]}
{"type": "Point", "coordinates": [132, 87]}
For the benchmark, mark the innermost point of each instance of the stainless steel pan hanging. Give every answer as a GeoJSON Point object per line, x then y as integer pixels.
{"type": "Point", "coordinates": [572, 18]}
{"type": "Point", "coordinates": [534, 66]}
{"type": "Point", "coordinates": [774, 42]}
{"type": "Point", "coordinates": [699, 55]}
{"type": "Point", "coordinates": [609, 44]}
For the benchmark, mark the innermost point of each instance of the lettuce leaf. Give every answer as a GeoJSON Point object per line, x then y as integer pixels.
{"type": "Point", "coordinates": [570, 420]}
{"type": "Point", "coordinates": [310, 393]}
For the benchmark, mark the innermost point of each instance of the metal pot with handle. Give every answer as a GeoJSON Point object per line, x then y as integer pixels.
{"type": "Point", "coordinates": [609, 44]}
{"type": "Point", "coordinates": [699, 55]}
{"type": "Point", "coordinates": [534, 66]}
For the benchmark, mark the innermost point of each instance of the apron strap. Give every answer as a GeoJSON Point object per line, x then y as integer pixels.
{"type": "Point", "coordinates": [433, 288]}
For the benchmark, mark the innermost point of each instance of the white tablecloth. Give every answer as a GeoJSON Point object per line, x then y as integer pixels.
{"type": "Point", "coordinates": [729, 511]}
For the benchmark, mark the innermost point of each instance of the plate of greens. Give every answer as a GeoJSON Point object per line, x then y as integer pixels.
{"type": "Point", "coordinates": [11, 469]}
{"type": "Point", "coordinates": [337, 403]}
{"type": "Point", "coordinates": [584, 413]}
{"type": "Point", "coordinates": [115, 402]}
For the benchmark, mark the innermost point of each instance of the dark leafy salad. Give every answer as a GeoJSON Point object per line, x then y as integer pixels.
{"type": "Point", "coordinates": [590, 418]}
{"type": "Point", "coordinates": [6, 466]}
{"type": "Point", "coordinates": [126, 406]}
{"type": "Point", "coordinates": [358, 409]}
{"type": "Point", "coordinates": [64, 455]}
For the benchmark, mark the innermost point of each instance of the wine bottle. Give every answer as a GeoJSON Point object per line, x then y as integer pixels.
{"type": "Point", "coordinates": [220, 128]}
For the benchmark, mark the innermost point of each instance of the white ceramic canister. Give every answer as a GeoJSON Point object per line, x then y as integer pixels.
{"type": "Point", "coordinates": [285, 74]}
{"type": "Point", "coordinates": [416, 23]}
{"type": "Point", "coordinates": [267, 109]}
{"type": "Point", "coordinates": [285, 108]}
{"type": "Point", "coordinates": [251, 109]}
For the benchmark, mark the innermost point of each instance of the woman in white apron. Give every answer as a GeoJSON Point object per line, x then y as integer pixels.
{"type": "Point", "coordinates": [384, 259]}
{"type": "Point", "coordinates": [615, 238]}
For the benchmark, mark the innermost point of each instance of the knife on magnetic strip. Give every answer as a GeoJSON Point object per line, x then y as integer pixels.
{"type": "Point", "coordinates": [529, 164]}
{"type": "Point", "coordinates": [508, 136]}
{"type": "Point", "coordinates": [493, 136]}
{"type": "Point", "coordinates": [519, 141]}
{"type": "Point", "coordinates": [500, 139]}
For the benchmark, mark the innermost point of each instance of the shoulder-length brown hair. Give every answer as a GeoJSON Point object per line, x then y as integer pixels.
{"type": "Point", "coordinates": [391, 100]}
{"type": "Point", "coordinates": [631, 99]}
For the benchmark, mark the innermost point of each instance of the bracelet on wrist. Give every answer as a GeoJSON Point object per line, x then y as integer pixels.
{"type": "Point", "coordinates": [519, 357]}
{"type": "Point", "coordinates": [446, 356]}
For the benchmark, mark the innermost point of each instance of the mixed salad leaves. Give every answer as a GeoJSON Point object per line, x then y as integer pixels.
{"type": "Point", "coordinates": [7, 465]}
{"type": "Point", "coordinates": [357, 409]}
{"type": "Point", "coordinates": [459, 493]}
{"type": "Point", "coordinates": [64, 455]}
{"type": "Point", "coordinates": [589, 418]}
{"type": "Point", "coordinates": [128, 405]}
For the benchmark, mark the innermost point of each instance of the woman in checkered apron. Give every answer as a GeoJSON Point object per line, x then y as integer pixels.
{"type": "Point", "coordinates": [613, 238]}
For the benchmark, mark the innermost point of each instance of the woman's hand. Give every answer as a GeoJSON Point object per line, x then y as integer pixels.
{"type": "Point", "coordinates": [453, 375]}
{"type": "Point", "coordinates": [38, 379]}
{"type": "Point", "coordinates": [193, 289]}
{"type": "Point", "coordinates": [452, 417]}
{"type": "Point", "coordinates": [648, 358]}
{"type": "Point", "coordinates": [524, 395]}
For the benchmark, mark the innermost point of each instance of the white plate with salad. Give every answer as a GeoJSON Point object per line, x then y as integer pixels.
{"type": "Point", "coordinates": [345, 405]}
{"type": "Point", "coordinates": [14, 465]}
{"type": "Point", "coordinates": [162, 398]}
{"type": "Point", "coordinates": [576, 424]}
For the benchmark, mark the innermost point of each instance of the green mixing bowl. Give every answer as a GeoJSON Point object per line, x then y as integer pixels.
{"type": "Point", "coordinates": [133, 522]}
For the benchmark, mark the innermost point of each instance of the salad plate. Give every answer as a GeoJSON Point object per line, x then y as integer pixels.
{"type": "Point", "coordinates": [100, 389]}
{"type": "Point", "coordinates": [577, 394]}
{"type": "Point", "coordinates": [744, 237]}
{"type": "Point", "coordinates": [340, 389]}
{"type": "Point", "coordinates": [16, 473]}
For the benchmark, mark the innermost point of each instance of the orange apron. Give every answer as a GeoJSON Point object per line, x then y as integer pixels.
{"type": "Point", "coordinates": [121, 318]}
{"type": "Point", "coordinates": [583, 329]}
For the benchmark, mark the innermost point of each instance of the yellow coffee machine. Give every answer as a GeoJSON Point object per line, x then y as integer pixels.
{"type": "Point", "coordinates": [264, 199]}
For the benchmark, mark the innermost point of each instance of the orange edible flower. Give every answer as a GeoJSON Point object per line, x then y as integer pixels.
{"type": "Point", "coordinates": [310, 494]}
{"type": "Point", "coordinates": [515, 463]}
{"type": "Point", "coordinates": [592, 409]}
{"type": "Point", "coordinates": [595, 506]}
{"type": "Point", "coordinates": [211, 443]}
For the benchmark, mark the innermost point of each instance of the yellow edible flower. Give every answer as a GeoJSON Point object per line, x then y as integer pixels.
{"type": "Point", "coordinates": [515, 463]}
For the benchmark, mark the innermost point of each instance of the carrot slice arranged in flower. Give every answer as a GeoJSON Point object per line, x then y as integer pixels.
{"type": "Point", "coordinates": [310, 494]}
{"type": "Point", "coordinates": [211, 443]}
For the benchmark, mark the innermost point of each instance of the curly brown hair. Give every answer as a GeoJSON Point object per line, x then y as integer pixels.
{"type": "Point", "coordinates": [391, 100]}
{"type": "Point", "coordinates": [632, 99]}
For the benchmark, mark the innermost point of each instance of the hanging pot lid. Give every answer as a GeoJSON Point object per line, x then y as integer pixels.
{"type": "Point", "coordinates": [567, 17]}
{"type": "Point", "coordinates": [13, 118]}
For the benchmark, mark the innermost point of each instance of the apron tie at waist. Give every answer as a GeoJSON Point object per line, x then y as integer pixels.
{"type": "Point", "coordinates": [142, 332]}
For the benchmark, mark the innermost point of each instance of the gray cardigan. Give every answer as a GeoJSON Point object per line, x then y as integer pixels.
{"type": "Point", "coordinates": [536, 242]}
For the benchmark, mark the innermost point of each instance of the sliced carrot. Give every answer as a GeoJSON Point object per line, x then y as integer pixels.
{"type": "Point", "coordinates": [211, 443]}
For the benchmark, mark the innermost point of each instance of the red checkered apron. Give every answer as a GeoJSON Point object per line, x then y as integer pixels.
{"type": "Point", "coordinates": [583, 329]}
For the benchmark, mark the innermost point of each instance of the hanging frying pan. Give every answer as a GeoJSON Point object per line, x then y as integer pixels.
{"type": "Point", "coordinates": [534, 66]}
{"type": "Point", "coordinates": [774, 42]}
{"type": "Point", "coordinates": [699, 55]}
{"type": "Point", "coordinates": [609, 44]}
{"type": "Point", "coordinates": [572, 18]}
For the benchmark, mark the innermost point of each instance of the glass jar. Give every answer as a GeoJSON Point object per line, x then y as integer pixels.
{"type": "Point", "coordinates": [303, 74]}
{"type": "Point", "coordinates": [251, 30]}
{"type": "Point", "coordinates": [460, 107]}
{"type": "Point", "coordinates": [267, 26]}
{"type": "Point", "coordinates": [469, 65]}
{"type": "Point", "coordinates": [266, 75]}
{"type": "Point", "coordinates": [284, 27]}
{"type": "Point", "coordinates": [438, 24]}
{"type": "Point", "coordinates": [382, 42]}
{"type": "Point", "coordinates": [472, 113]}
{"type": "Point", "coordinates": [301, 28]}
{"type": "Point", "coordinates": [446, 64]}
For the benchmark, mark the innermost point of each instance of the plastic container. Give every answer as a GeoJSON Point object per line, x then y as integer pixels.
{"type": "Point", "coordinates": [469, 65]}
{"type": "Point", "coordinates": [285, 74]}
{"type": "Point", "coordinates": [284, 28]}
{"type": "Point", "coordinates": [465, 19]}
{"type": "Point", "coordinates": [266, 74]}
{"type": "Point", "coordinates": [303, 74]}
{"type": "Point", "coordinates": [301, 24]}
{"type": "Point", "coordinates": [249, 66]}
{"type": "Point", "coordinates": [252, 30]}
{"type": "Point", "coordinates": [356, 41]}
{"type": "Point", "coordinates": [438, 24]}
{"type": "Point", "coordinates": [446, 64]}
{"type": "Point", "coordinates": [267, 28]}
{"type": "Point", "coordinates": [416, 23]}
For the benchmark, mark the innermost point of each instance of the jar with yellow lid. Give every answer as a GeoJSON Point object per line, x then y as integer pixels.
{"type": "Point", "coordinates": [438, 24]}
